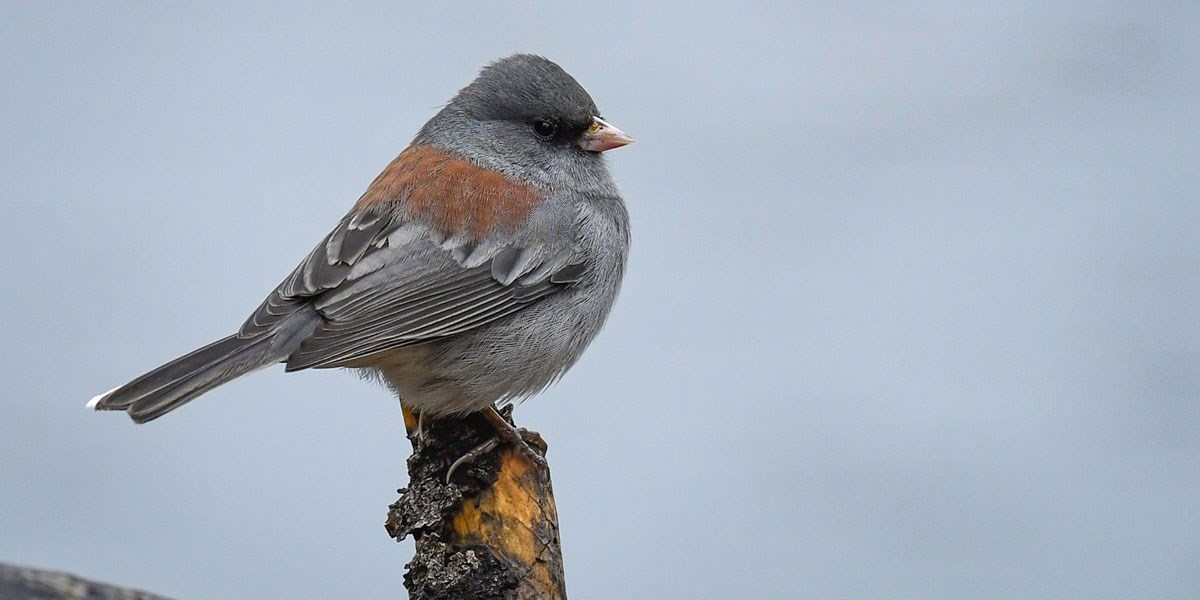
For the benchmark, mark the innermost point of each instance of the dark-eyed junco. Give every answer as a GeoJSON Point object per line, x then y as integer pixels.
{"type": "Point", "coordinates": [475, 268]}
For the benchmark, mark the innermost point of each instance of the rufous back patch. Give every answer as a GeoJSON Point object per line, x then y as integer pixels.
{"type": "Point", "coordinates": [454, 194]}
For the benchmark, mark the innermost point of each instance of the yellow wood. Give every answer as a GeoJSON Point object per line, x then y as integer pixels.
{"type": "Point", "coordinates": [516, 517]}
{"type": "Point", "coordinates": [410, 419]}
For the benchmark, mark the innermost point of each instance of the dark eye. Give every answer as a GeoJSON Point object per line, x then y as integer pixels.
{"type": "Point", "coordinates": [544, 129]}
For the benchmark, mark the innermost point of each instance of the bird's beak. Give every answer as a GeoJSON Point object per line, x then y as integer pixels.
{"type": "Point", "coordinates": [601, 136]}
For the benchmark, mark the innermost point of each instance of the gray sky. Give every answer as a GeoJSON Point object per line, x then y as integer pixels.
{"type": "Point", "coordinates": [911, 310]}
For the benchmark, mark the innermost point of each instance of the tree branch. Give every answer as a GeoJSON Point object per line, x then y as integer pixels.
{"type": "Point", "coordinates": [491, 533]}
{"type": "Point", "coordinates": [24, 583]}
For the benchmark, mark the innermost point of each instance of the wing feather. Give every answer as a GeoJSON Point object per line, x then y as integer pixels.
{"type": "Point", "coordinates": [379, 284]}
{"type": "Point", "coordinates": [411, 263]}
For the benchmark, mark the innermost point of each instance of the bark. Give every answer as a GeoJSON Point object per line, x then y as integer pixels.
{"type": "Point", "coordinates": [24, 583]}
{"type": "Point", "coordinates": [492, 532]}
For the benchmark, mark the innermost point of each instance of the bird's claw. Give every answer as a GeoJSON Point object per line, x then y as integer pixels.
{"type": "Point", "coordinates": [528, 443]}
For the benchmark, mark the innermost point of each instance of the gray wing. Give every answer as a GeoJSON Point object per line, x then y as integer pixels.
{"type": "Point", "coordinates": [379, 281]}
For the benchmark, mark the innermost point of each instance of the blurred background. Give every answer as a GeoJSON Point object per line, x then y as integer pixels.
{"type": "Point", "coordinates": [910, 313]}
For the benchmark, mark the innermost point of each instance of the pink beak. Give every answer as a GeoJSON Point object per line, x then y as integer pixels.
{"type": "Point", "coordinates": [601, 136]}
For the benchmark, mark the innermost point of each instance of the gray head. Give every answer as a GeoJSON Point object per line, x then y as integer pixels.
{"type": "Point", "coordinates": [524, 115]}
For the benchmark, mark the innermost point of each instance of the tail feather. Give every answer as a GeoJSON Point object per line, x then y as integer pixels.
{"type": "Point", "coordinates": [174, 384]}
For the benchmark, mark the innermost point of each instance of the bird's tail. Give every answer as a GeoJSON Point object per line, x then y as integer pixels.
{"type": "Point", "coordinates": [172, 385]}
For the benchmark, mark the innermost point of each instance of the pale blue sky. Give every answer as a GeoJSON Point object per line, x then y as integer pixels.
{"type": "Point", "coordinates": [911, 309]}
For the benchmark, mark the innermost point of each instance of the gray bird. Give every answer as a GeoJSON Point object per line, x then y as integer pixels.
{"type": "Point", "coordinates": [475, 269]}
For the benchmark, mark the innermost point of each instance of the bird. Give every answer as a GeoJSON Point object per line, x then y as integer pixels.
{"type": "Point", "coordinates": [473, 271]}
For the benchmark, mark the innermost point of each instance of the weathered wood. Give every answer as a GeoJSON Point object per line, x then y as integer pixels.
{"type": "Point", "coordinates": [491, 533]}
{"type": "Point", "coordinates": [25, 583]}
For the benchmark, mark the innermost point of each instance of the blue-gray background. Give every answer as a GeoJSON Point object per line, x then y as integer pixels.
{"type": "Point", "coordinates": [911, 311]}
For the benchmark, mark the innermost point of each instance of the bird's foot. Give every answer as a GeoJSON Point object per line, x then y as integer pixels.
{"type": "Point", "coordinates": [528, 443]}
{"type": "Point", "coordinates": [414, 423]}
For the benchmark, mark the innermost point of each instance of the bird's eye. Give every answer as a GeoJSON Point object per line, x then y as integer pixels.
{"type": "Point", "coordinates": [544, 129]}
